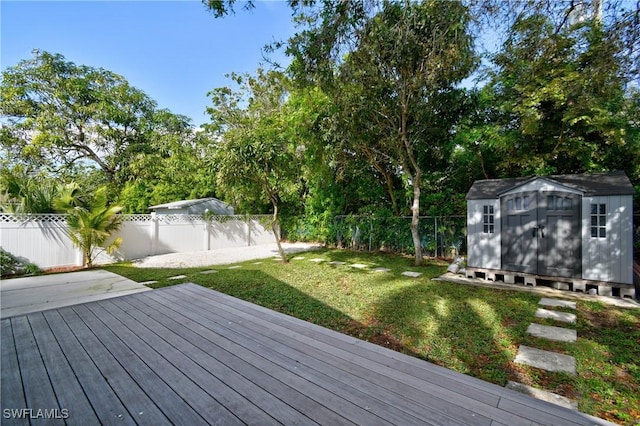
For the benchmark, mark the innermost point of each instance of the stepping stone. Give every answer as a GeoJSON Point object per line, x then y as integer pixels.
{"type": "Point", "coordinates": [298, 258]}
{"type": "Point", "coordinates": [177, 277]}
{"type": "Point", "coordinates": [546, 360]}
{"type": "Point", "coordinates": [336, 262]}
{"type": "Point", "coordinates": [555, 315]}
{"type": "Point", "coordinates": [148, 282]}
{"type": "Point", "coordinates": [411, 274]}
{"type": "Point", "coordinates": [257, 263]}
{"type": "Point", "coordinates": [557, 303]}
{"type": "Point", "coordinates": [359, 266]}
{"type": "Point", "coordinates": [381, 270]}
{"type": "Point", "coordinates": [235, 267]}
{"type": "Point", "coordinates": [553, 333]}
{"type": "Point", "coordinates": [210, 271]}
{"type": "Point", "coordinates": [317, 260]}
{"type": "Point", "coordinates": [543, 395]}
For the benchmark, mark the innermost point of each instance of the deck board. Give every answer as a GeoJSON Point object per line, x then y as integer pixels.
{"type": "Point", "coordinates": [37, 387]}
{"type": "Point", "coordinates": [11, 395]}
{"type": "Point", "coordinates": [189, 355]}
{"type": "Point", "coordinates": [68, 391]}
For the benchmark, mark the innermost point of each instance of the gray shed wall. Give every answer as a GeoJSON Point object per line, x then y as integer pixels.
{"type": "Point", "coordinates": [483, 249]}
{"type": "Point", "coordinates": [610, 258]}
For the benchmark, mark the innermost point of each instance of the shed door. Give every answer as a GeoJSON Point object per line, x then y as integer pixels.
{"type": "Point", "coordinates": [560, 253]}
{"type": "Point", "coordinates": [519, 245]}
{"type": "Point", "coordinates": [541, 234]}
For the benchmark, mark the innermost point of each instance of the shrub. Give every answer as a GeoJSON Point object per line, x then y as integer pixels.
{"type": "Point", "coordinates": [11, 265]}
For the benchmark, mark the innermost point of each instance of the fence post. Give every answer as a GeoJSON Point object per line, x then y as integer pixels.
{"type": "Point", "coordinates": [247, 222]}
{"type": "Point", "coordinates": [207, 226]}
{"type": "Point", "coordinates": [154, 233]}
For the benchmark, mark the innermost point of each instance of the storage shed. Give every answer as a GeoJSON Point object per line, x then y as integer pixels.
{"type": "Point", "coordinates": [573, 232]}
{"type": "Point", "coordinates": [198, 206]}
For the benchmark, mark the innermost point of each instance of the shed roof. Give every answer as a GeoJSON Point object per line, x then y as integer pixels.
{"type": "Point", "coordinates": [217, 205]}
{"type": "Point", "coordinates": [594, 184]}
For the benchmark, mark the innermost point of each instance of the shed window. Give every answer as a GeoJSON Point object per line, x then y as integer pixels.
{"type": "Point", "coordinates": [488, 220]}
{"type": "Point", "coordinates": [598, 220]}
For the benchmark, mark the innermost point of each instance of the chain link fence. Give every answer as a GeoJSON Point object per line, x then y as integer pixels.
{"type": "Point", "coordinates": [444, 236]}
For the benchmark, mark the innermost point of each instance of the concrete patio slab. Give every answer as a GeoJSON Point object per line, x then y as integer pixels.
{"type": "Point", "coordinates": [558, 334]}
{"type": "Point", "coordinates": [411, 274]}
{"type": "Point", "coordinates": [555, 303]}
{"type": "Point", "coordinates": [543, 395]}
{"type": "Point", "coordinates": [546, 360]}
{"type": "Point", "coordinates": [381, 270]}
{"type": "Point", "coordinates": [555, 315]}
{"type": "Point", "coordinates": [359, 266]}
{"type": "Point", "coordinates": [210, 271]}
{"type": "Point", "coordinates": [33, 294]}
{"type": "Point", "coordinates": [337, 262]}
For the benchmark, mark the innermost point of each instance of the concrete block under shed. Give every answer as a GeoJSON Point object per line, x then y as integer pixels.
{"type": "Point", "coordinates": [604, 290]}
{"type": "Point", "coordinates": [560, 285]}
{"type": "Point", "coordinates": [579, 286]}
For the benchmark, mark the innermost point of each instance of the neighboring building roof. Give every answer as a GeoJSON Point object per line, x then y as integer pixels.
{"type": "Point", "coordinates": [197, 206]}
{"type": "Point", "coordinates": [596, 184]}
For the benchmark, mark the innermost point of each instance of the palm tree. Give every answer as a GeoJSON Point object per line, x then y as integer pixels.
{"type": "Point", "coordinates": [90, 221]}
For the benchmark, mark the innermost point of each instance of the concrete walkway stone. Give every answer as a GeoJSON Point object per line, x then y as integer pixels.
{"type": "Point", "coordinates": [555, 303]}
{"type": "Point", "coordinates": [555, 315]}
{"type": "Point", "coordinates": [546, 360]}
{"type": "Point", "coordinates": [177, 277]}
{"type": "Point", "coordinates": [210, 271]}
{"type": "Point", "coordinates": [543, 395]}
{"type": "Point", "coordinates": [235, 267]}
{"type": "Point", "coordinates": [336, 262]}
{"type": "Point", "coordinates": [379, 269]}
{"type": "Point", "coordinates": [411, 274]}
{"type": "Point", "coordinates": [558, 334]}
{"type": "Point", "coordinates": [359, 266]}
{"type": "Point", "coordinates": [317, 260]}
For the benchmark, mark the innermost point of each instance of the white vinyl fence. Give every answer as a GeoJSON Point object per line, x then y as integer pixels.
{"type": "Point", "coordinates": [43, 239]}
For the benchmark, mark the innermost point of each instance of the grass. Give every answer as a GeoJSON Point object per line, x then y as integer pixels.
{"type": "Point", "coordinates": [472, 330]}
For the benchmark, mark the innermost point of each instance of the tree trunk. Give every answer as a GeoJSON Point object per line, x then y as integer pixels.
{"type": "Point", "coordinates": [415, 218]}
{"type": "Point", "coordinates": [275, 227]}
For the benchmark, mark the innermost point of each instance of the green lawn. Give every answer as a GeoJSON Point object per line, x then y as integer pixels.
{"type": "Point", "coordinates": [472, 330]}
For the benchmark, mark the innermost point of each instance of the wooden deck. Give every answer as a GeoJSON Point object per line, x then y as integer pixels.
{"type": "Point", "coordinates": [190, 355]}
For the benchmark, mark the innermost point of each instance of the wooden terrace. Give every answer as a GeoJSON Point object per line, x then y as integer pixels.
{"type": "Point", "coordinates": [190, 355]}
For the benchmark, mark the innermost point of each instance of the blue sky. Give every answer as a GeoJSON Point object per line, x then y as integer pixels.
{"type": "Point", "coordinates": [175, 51]}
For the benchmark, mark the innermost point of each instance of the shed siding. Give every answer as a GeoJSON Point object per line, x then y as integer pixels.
{"type": "Point", "coordinates": [610, 258]}
{"type": "Point", "coordinates": [483, 249]}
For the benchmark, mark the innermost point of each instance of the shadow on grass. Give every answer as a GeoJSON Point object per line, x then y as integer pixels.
{"type": "Point", "coordinates": [473, 331]}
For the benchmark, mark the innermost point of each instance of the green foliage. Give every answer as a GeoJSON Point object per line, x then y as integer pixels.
{"type": "Point", "coordinates": [22, 193]}
{"type": "Point", "coordinates": [90, 221]}
{"type": "Point", "coordinates": [11, 265]}
{"type": "Point", "coordinates": [63, 117]}
{"type": "Point", "coordinates": [256, 153]}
